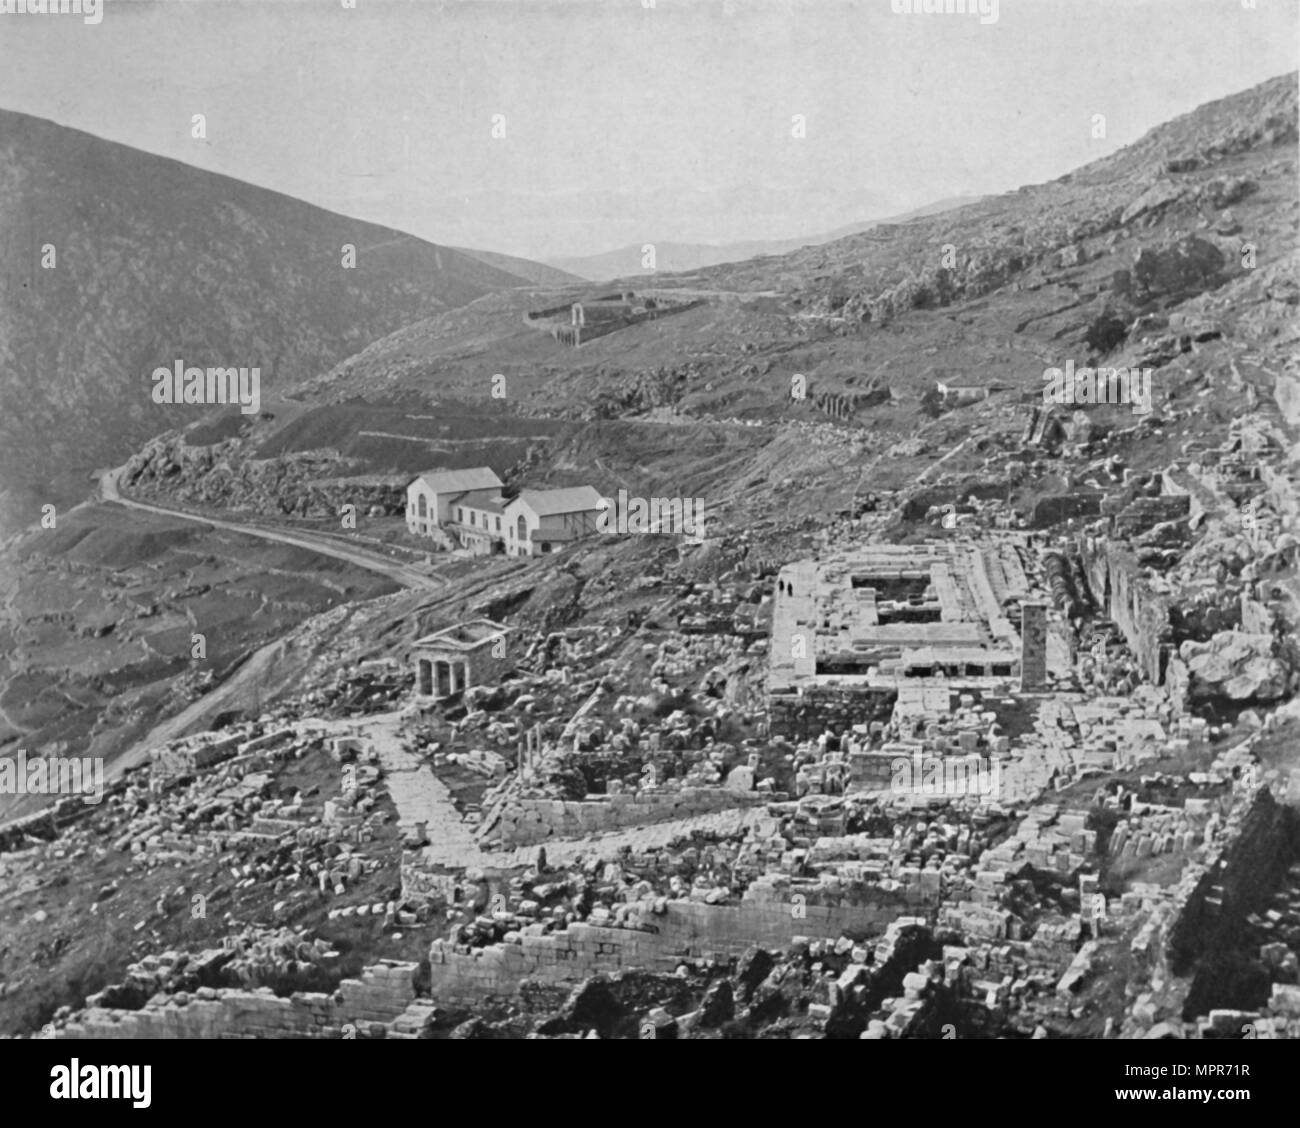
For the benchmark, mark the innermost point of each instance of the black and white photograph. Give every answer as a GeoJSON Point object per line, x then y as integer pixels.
{"type": "Point", "coordinates": [649, 520]}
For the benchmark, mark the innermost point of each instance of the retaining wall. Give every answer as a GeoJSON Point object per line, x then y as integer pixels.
{"type": "Point", "coordinates": [188, 759]}
{"type": "Point", "coordinates": [1261, 841]}
{"type": "Point", "coordinates": [381, 995]}
{"type": "Point", "coordinates": [525, 822]}
{"type": "Point", "coordinates": [807, 715]}
{"type": "Point", "coordinates": [767, 916]}
{"type": "Point", "coordinates": [1117, 583]}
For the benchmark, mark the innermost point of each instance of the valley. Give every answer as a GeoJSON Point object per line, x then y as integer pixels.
{"type": "Point", "coordinates": [655, 785]}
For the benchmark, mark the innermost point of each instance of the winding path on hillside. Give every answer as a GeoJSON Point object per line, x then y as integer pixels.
{"type": "Point", "coordinates": [402, 574]}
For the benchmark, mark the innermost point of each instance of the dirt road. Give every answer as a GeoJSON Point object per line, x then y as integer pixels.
{"type": "Point", "coordinates": [403, 574]}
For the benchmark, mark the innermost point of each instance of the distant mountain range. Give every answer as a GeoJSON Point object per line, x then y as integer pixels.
{"type": "Point", "coordinates": [626, 262]}
{"type": "Point", "coordinates": [114, 261]}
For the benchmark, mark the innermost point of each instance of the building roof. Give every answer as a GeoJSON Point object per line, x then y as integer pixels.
{"type": "Point", "coordinates": [459, 481]}
{"type": "Point", "coordinates": [483, 500]}
{"type": "Point", "coordinates": [467, 635]}
{"type": "Point", "coordinates": [548, 503]}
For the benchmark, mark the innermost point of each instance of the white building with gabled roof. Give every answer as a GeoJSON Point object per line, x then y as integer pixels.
{"type": "Point", "coordinates": [538, 522]}
{"type": "Point", "coordinates": [430, 496]}
{"type": "Point", "coordinates": [476, 521]}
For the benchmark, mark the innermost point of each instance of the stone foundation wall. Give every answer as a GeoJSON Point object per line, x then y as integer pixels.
{"type": "Point", "coordinates": [1058, 508]}
{"type": "Point", "coordinates": [45, 826]}
{"type": "Point", "coordinates": [167, 762]}
{"type": "Point", "coordinates": [1142, 513]}
{"type": "Point", "coordinates": [526, 822]}
{"type": "Point", "coordinates": [806, 716]}
{"type": "Point", "coordinates": [381, 995]}
{"type": "Point", "coordinates": [16, 835]}
{"type": "Point", "coordinates": [1117, 584]}
{"type": "Point", "coordinates": [1261, 842]}
{"type": "Point", "coordinates": [199, 755]}
{"type": "Point", "coordinates": [768, 916]}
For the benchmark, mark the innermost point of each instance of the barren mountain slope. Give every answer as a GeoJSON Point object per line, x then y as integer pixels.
{"type": "Point", "coordinates": [114, 262]}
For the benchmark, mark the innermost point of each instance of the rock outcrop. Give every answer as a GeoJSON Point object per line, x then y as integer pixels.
{"type": "Point", "coordinates": [1187, 266]}
{"type": "Point", "coordinates": [1238, 666]}
{"type": "Point", "coordinates": [312, 484]}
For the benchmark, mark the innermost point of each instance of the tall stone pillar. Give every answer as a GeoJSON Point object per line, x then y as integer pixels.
{"type": "Point", "coordinates": [1033, 647]}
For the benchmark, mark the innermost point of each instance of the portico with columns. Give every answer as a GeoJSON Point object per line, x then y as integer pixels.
{"type": "Point", "coordinates": [450, 661]}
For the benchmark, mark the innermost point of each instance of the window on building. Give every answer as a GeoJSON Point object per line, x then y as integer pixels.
{"type": "Point", "coordinates": [423, 506]}
{"type": "Point", "coordinates": [498, 524]}
{"type": "Point", "coordinates": [522, 529]}
{"type": "Point", "coordinates": [546, 547]}
{"type": "Point", "coordinates": [460, 514]}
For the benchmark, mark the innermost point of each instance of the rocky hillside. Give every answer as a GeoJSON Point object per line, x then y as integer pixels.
{"type": "Point", "coordinates": [1007, 286]}
{"type": "Point", "coordinates": [114, 261]}
{"type": "Point", "coordinates": [1177, 253]}
{"type": "Point", "coordinates": [1139, 259]}
{"type": "Point", "coordinates": [1187, 171]}
{"type": "Point", "coordinates": [117, 619]}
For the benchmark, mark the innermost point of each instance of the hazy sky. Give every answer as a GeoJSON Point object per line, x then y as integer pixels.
{"type": "Point", "coordinates": [626, 123]}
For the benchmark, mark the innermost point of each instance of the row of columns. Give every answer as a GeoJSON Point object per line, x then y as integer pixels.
{"type": "Point", "coordinates": [441, 678]}
{"type": "Point", "coordinates": [838, 404]}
